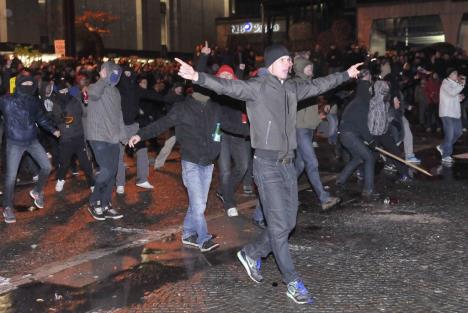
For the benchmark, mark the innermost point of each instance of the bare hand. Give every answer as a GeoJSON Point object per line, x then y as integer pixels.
{"type": "Point", "coordinates": [133, 141]}
{"type": "Point", "coordinates": [206, 50]}
{"type": "Point", "coordinates": [353, 72]}
{"type": "Point", "coordinates": [186, 71]}
{"type": "Point", "coordinates": [396, 103]}
{"type": "Point", "coordinates": [56, 133]}
{"type": "Point", "coordinates": [242, 66]}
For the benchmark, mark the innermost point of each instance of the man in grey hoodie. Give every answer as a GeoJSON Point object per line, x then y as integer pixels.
{"type": "Point", "coordinates": [105, 129]}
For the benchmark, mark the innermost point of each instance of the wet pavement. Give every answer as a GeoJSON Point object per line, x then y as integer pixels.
{"type": "Point", "coordinates": [409, 255]}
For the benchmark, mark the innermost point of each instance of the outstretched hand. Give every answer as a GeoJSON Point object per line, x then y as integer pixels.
{"type": "Point", "coordinates": [186, 71]}
{"type": "Point", "coordinates": [133, 141]}
{"type": "Point", "coordinates": [353, 71]}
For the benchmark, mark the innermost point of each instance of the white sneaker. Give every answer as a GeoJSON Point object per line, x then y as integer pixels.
{"type": "Point", "coordinates": [315, 144]}
{"type": "Point", "coordinates": [120, 190]}
{"type": "Point", "coordinates": [447, 159]}
{"type": "Point", "coordinates": [59, 185]}
{"type": "Point", "coordinates": [145, 185]}
{"type": "Point", "coordinates": [232, 212]}
{"type": "Point", "coordinates": [92, 188]}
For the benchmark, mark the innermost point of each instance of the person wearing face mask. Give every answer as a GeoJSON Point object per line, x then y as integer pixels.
{"type": "Point", "coordinates": [68, 112]}
{"type": "Point", "coordinates": [105, 131]}
{"type": "Point", "coordinates": [197, 123]}
{"type": "Point", "coordinates": [22, 113]}
{"type": "Point", "coordinates": [131, 95]}
{"type": "Point", "coordinates": [271, 103]}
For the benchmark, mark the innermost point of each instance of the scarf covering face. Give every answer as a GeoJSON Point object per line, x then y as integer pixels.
{"type": "Point", "coordinates": [25, 85]}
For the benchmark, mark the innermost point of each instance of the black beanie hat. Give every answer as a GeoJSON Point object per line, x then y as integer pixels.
{"type": "Point", "coordinates": [273, 53]}
{"type": "Point", "coordinates": [449, 71]}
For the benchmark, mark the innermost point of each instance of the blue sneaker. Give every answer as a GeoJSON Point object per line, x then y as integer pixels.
{"type": "Point", "coordinates": [299, 293]}
{"type": "Point", "coordinates": [251, 266]}
{"type": "Point", "coordinates": [413, 159]}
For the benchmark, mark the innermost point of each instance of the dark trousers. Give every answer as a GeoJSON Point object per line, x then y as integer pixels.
{"type": "Point", "coordinates": [388, 143]}
{"type": "Point", "coordinates": [107, 158]}
{"type": "Point", "coordinates": [360, 153]}
{"type": "Point", "coordinates": [14, 152]}
{"type": "Point", "coordinates": [68, 149]}
{"type": "Point", "coordinates": [235, 149]}
{"type": "Point", "coordinates": [277, 188]}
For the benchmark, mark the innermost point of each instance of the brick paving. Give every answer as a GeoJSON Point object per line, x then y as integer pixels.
{"type": "Point", "coordinates": [408, 256]}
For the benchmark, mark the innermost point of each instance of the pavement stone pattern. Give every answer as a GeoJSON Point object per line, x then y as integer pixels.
{"type": "Point", "coordinates": [409, 256]}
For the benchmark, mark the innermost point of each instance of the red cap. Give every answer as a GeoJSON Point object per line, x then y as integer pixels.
{"type": "Point", "coordinates": [226, 69]}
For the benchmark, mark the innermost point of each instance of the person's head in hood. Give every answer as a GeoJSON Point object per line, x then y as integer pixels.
{"type": "Point", "coordinates": [226, 72]}
{"type": "Point", "coordinates": [178, 88]}
{"type": "Point", "coordinates": [25, 85]}
{"type": "Point", "coordinates": [303, 68]}
{"type": "Point", "coordinates": [277, 61]}
{"type": "Point", "coordinates": [110, 72]}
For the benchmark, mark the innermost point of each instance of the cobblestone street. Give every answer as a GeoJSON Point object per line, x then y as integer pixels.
{"type": "Point", "coordinates": [406, 256]}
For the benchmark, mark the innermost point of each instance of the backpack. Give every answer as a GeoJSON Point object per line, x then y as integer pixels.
{"type": "Point", "coordinates": [378, 116]}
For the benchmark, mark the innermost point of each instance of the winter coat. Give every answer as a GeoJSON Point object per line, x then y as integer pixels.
{"type": "Point", "coordinates": [307, 110]}
{"type": "Point", "coordinates": [21, 113]}
{"type": "Point", "coordinates": [104, 120]}
{"type": "Point", "coordinates": [195, 123]}
{"type": "Point", "coordinates": [271, 105]}
{"type": "Point", "coordinates": [67, 113]}
{"type": "Point", "coordinates": [449, 100]}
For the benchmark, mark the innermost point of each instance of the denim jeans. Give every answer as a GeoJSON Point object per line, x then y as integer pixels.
{"type": "Point", "coordinates": [235, 149]}
{"type": "Point", "coordinates": [257, 214]}
{"type": "Point", "coordinates": [14, 152]}
{"type": "Point", "coordinates": [197, 180]}
{"type": "Point", "coordinates": [359, 153]}
{"type": "Point", "coordinates": [141, 158]}
{"type": "Point", "coordinates": [306, 158]}
{"type": "Point", "coordinates": [277, 188]}
{"type": "Point", "coordinates": [107, 158]}
{"type": "Point", "coordinates": [452, 131]}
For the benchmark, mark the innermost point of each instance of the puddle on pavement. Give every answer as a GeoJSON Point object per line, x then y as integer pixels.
{"type": "Point", "coordinates": [117, 290]}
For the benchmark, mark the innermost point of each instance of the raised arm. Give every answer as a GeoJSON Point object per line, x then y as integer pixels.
{"type": "Point", "coordinates": [237, 89]}
{"type": "Point", "coordinates": [317, 86]}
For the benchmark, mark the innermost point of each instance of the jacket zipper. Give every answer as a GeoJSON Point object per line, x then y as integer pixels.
{"type": "Point", "coordinates": [268, 132]}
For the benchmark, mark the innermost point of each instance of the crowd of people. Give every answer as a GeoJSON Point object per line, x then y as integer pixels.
{"type": "Point", "coordinates": [256, 120]}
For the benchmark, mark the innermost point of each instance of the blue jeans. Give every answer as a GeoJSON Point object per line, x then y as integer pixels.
{"type": "Point", "coordinates": [359, 153]}
{"type": "Point", "coordinates": [452, 131]}
{"type": "Point", "coordinates": [14, 152]}
{"type": "Point", "coordinates": [197, 180]}
{"type": "Point", "coordinates": [277, 188]}
{"type": "Point", "coordinates": [306, 158]}
{"type": "Point", "coordinates": [238, 150]}
{"type": "Point", "coordinates": [258, 212]}
{"type": "Point", "coordinates": [107, 158]}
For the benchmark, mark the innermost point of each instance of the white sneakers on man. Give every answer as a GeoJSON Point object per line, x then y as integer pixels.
{"type": "Point", "coordinates": [59, 185]}
{"type": "Point", "coordinates": [120, 190]}
{"type": "Point", "coordinates": [145, 185]}
{"type": "Point", "coordinates": [232, 212]}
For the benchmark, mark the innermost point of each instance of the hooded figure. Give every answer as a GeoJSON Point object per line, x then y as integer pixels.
{"type": "Point", "coordinates": [104, 117]}
{"type": "Point", "coordinates": [25, 85]}
{"type": "Point", "coordinates": [307, 113]}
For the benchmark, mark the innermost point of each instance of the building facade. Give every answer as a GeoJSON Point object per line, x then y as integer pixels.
{"type": "Point", "coordinates": [139, 25]}
{"type": "Point", "coordinates": [383, 25]}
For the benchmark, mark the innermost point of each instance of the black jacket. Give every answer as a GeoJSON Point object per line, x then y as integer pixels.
{"type": "Point", "coordinates": [354, 118]}
{"type": "Point", "coordinates": [67, 113]}
{"type": "Point", "coordinates": [21, 113]}
{"type": "Point", "coordinates": [195, 123]}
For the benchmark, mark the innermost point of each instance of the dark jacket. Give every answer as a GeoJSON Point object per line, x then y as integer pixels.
{"type": "Point", "coordinates": [128, 89]}
{"type": "Point", "coordinates": [21, 113]}
{"type": "Point", "coordinates": [67, 113]}
{"type": "Point", "coordinates": [271, 105]}
{"type": "Point", "coordinates": [354, 118]}
{"type": "Point", "coordinates": [195, 123]}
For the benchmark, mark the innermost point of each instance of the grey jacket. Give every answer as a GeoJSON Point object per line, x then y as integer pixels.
{"type": "Point", "coordinates": [272, 104]}
{"type": "Point", "coordinates": [104, 120]}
